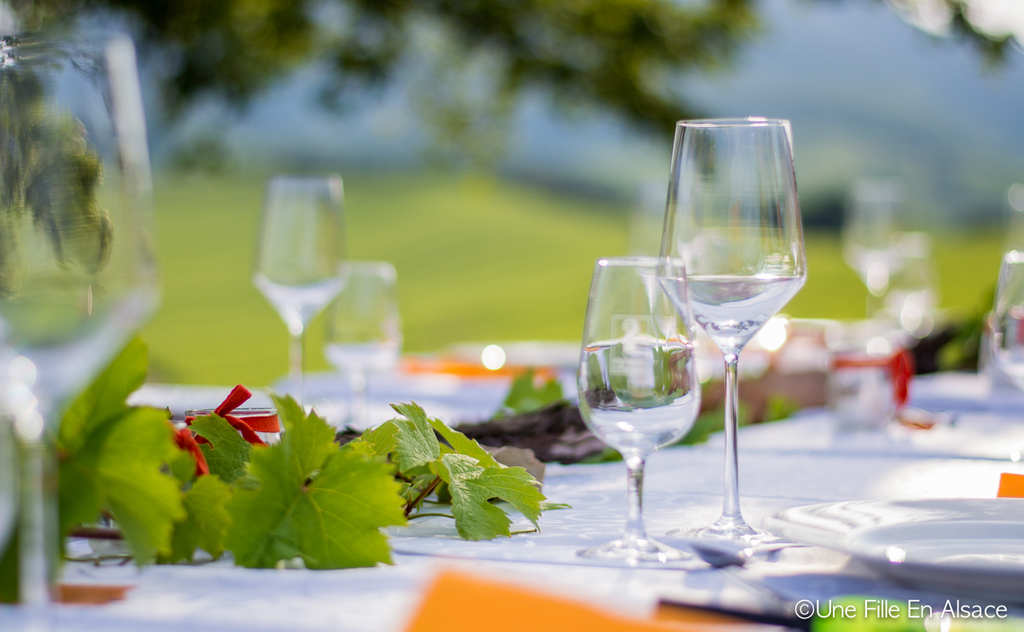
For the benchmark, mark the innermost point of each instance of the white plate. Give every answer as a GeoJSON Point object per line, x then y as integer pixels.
{"type": "Point", "coordinates": [965, 546]}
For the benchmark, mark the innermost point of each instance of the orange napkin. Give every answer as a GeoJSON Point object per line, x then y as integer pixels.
{"type": "Point", "coordinates": [92, 594]}
{"type": "Point", "coordinates": [461, 368]}
{"type": "Point", "coordinates": [456, 602]}
{"type": "Point", "coordinates": [1011, 486]}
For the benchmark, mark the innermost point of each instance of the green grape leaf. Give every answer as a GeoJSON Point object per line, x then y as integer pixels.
{"type": "Point", "coordinates": [524, 397]}
{"type": "Point", "coordinates": [227, 453]}
{"type": "Point", "coordinates": [381, 440]}
{"type": "Point", "coordinates": [207, 520]}
{"type": "Point", "coordinates": [183, 467]}
{"type": "Point", "coordinates": [416, 442]}
{"type": "Point", "coordinates": [475, 518]}
{"type": "Point", "coordinates": [105, 399]}
{"type": "Point", "coordinates": [514, 485]}
{"type": "Point", "coordinates": [118, 466]}
{"type": "Point", "coordinates": [463, 444]}
{"type": "Point", "coordinates": [311, 447]}
{"type": "Point", "coordinates": [331, 520]}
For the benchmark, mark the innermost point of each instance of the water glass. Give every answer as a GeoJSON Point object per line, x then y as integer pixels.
{"type": "Point", "coordinates": [364, 331]}
{"type": "Point", "coordinates": [638, 385]}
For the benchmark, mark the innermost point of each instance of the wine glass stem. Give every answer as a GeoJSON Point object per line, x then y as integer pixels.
{"type": "Point", "coordinates": [295, 364]}
{"type": "Point", "coordinates": [357, 385]}
{"type": "Point", "coordinates": [634, 497]}
{"type": "Point", "coordinates": [34, 551]}
{"type": "Point", "coordinates": [731, 503]}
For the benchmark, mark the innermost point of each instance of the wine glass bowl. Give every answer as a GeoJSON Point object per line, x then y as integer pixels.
{"type": "Point", "coordinates": [733, 218]}
{"type": "Point", "coordinates": [638, 386]}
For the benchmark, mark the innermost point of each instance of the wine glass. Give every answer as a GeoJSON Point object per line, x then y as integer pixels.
{"type": "Point", "coordinates": [1007, 344]}
{"type": "Point", "coordinates": [299, 253]}
{"type": "Point", "coordinates": [733, 217]}
{"type": "Point", "coordinates": [77, 271]}
{"type": "Point", "coordinates": [637, 382]}
{"type": "Point", "coordinates": [364, 332]}
{"type": "Point", "coordinates": [869, 235]}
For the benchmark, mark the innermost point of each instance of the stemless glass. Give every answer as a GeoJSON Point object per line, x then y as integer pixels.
{"type": "Point", "coordinates": [364, 331]}
{"type": "Point", "coordinates": [733, 217]}
{"type": "Point", "coordinates": [637, 382]}
{"type": "Point", "coordinates": [299, 254]}
{"type": "Point", "coordinates": [1007, 346]}
{"type": "Point", "coordinates": [77, 272]}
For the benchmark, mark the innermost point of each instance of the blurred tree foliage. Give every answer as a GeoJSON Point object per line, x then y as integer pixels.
{"type": "Point", "coordinates": [623, 56]}
{"type": "Point", "coordinates": [614, 54]}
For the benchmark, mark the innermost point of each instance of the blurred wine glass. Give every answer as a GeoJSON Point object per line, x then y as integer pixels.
{"type": "Point", "coordinates": [364, 331]}
{"type": "Point", "coordinates": [1007, 343]}
{"type": "Point", "coordinates": [913, 285]}
{"type": "Point", "coordinates": [77, 271]}
{"type": "Point", "coordinates": [300, 249]}
{"type": "Point", "coordinates": [734, 218]}
{"type": "Point", "coordinates": [637, 382]}
{"type": "Point", "coordinates": [868, 235]}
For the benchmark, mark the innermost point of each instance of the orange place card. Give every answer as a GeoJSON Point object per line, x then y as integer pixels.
{"type": "Point", "coordinates": [1011, 485]}
{"type": "Point", "coordinates": [456, 602]}
{"type": "Point", "coordinates": [93, 594]}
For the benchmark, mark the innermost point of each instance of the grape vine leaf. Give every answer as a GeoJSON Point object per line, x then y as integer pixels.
{"type": "Point", "coordinates": [462, 444]}
{"type": "Point", "coordinates": [207, 520]}
{"type": "Point", "coordinates": [314, 501]}
{"type": "Point", "coordinates": [472, 487]}
{"type": "Point", "coordinates": [227, 453]}
{"type": "Point", "coordinates": [111, 454]}
{"type": "Point", "coordinates": [311, 447]}
{"type": "Point", "coordinates": [416, 442]}
{"type": "Point", "coordinates": [106, 396]}
{"type": "Point", "coordinates": [525, 397]}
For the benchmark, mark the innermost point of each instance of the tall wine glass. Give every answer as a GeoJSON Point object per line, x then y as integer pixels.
{"type": "Point", "coordinates": [364, 331]}
{"type": "Point", "coordinates": [77, 272]}
{"type": "Point", "coordinates": [299, 254]}
{"type": "Point", "coordinates": [734, 218]}
{"type": "Point", "coordinates": [637, 382]}
{"type": "Point", "coordinates": [1007, 346]}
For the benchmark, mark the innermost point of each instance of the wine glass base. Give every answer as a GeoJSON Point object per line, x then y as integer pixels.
{"type": "Point", "coordinates": [633, 551]}
{"type": "Point", "coordinates": [726, 528]}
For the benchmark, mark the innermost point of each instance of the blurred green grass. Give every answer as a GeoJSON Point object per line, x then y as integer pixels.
{"type": "Point", "coordinates": [478, 259]}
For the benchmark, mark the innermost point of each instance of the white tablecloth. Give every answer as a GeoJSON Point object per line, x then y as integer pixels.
{"type": "Point", "coordinates": [786, 464]}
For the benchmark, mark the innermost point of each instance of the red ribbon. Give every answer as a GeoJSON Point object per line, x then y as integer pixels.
{"type": "Point", "coordinates": [248, 426]}
{"type": "Point", "coordinates": [900, 365]}
{"type": "Point", "coordinates": [187, 442]}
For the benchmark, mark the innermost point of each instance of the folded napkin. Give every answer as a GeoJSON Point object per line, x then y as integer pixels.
{"type": "Point", "coordinates": [1011, 486]}
{"type": "Point", "coordinates": [456, 602]}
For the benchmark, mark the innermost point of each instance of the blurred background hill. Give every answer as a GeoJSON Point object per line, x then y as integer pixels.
{"type": "Point", "coordinates": [868, 94]}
